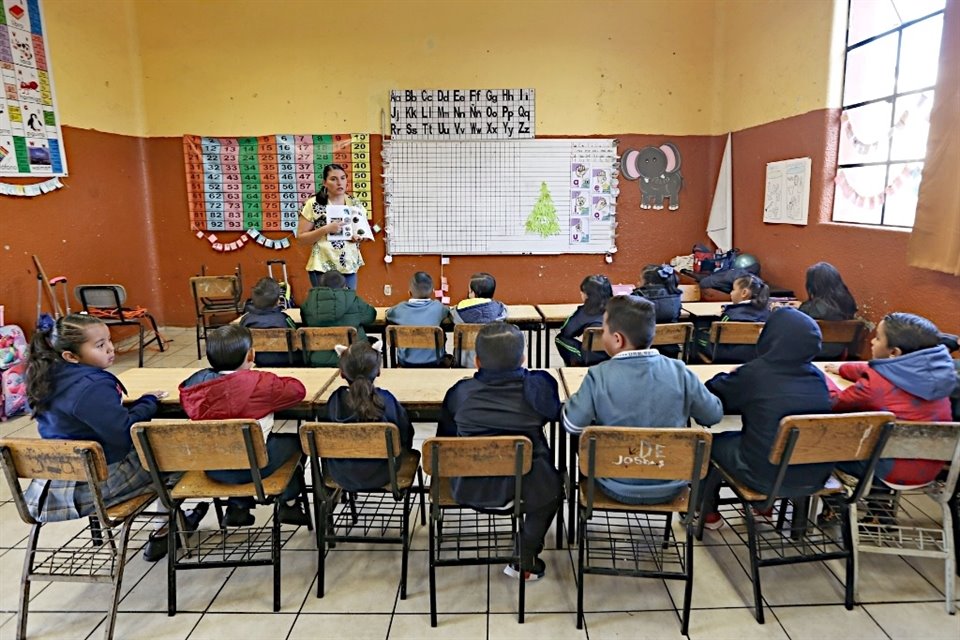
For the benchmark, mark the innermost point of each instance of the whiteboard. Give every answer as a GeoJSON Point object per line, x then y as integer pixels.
{"type": "Point", "coordinates": [477, 196]}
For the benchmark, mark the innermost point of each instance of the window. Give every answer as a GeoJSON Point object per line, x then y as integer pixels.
{"type": "Point", "coordinates": [892, 55]}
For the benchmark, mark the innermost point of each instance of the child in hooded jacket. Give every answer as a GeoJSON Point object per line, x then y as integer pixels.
{"type": "Point", "coordinates": [595, 291]}
{"type": "Point", "coordinates": [264, 312]}
{"type": "Point", "coordinates": [333, 305]}
{"type": "Point", "coordinates": [750, 302]}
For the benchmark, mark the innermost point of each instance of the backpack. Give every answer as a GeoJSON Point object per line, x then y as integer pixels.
{"type": "Point", "coordinates": [14, 385]}
{"type": "Point", "coordinates": [707, 261]}
{"type": "Point", "coordinates": [13, 346]}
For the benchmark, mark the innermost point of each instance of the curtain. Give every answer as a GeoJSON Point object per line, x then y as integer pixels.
{"type": "Point", "coordinates": [935, 241]}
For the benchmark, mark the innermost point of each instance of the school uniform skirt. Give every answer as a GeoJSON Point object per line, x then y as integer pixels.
{"type": "Point", "coordinates": [57, 500]}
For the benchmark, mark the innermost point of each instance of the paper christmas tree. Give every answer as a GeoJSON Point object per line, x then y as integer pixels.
{"type": "Point", "coordinates": [543, 219]}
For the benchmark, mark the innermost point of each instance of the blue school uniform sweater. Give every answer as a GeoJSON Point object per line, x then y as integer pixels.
{"type": "Point", "coordinates": [419, 312]}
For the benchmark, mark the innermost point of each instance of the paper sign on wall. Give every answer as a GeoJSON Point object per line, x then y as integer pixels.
{"type": "Point", "coordinates": [787, 196]}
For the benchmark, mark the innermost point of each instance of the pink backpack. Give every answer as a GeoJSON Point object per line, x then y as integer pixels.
{"type": "Point", "coordinates": [13, 355]}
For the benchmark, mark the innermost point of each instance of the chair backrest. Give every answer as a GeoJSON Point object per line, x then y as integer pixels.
{"type": "Point", "coordinates": [213, 294]}
{"type": "Point", "coordinates": [735, 332]}
{"type": "Point", "coordinates": [591, 339]}
{"type": "Point", "coordinates": [100, 295]}
{"type": "Point", "coordinates": [655, 454]}
{"type": "Point", "coordinates": [464, 339]}
{"type": "Point", "coordinates": [187, 445]}
{"type": "Point", "coordinates": [846, 332]}
{"type": "Point", "coordinates": [476, 457]}
{"type": "Point", "coordinates": [274, 341]}
{"type": "Point", "coordinates": [678, 333]}
{"type": "Point", "coordinates": [350, 440]}
{"type": "Point", "coordinates": [689, 293]}
{"type": "Point", "coordinates": [414, 337]}
{"type": "Point", "coordinates": [325, 338]}
{"type": "Point", "coordinates": [822, 438]}
{"type": "Point", "coordinates": [928, 441]}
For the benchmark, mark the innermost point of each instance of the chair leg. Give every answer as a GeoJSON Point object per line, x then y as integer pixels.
{"type": "Point", "coordinates": [304, 500]}
{"type": "Point", "coordinates": [845, 526]}
{"type": "Point", "coordinates": [405, 541]}
{"type": "Point", "coordinates": [667, 528]}
{"type": "Point", "coordinates": [25, 581]}
{"type": "Point", "coordinates": [708, 503]}
{"type": "Point", "coordinates": [523, 581]}
{"type": "Point", "coordinates": [96, 532]}
{"type": "Point", "coordinates": [423, 501]}
{"type": "Point", "coordinates": [172, 563]}
{"type": "Point", "coordinates": [199, 355]}
{"type": "Point", "coordinates": [120, 563]}
{"type": "Point", "coordinates": [156, 332]}
{"type": "Point", "coordinates": [688, 587]}
{"type": "Point", "coordinates": [581, 552]}
{"type": "Point", "coordinates": [321, 544]}
{"type": "Point", "coordinates": [275, 553]}
{"type": "Point", "coordinates": [140, 343]}
{"type": "Point", "coordinates": [433, 573]}
{"type": "Point", "coordinates": [754, 559]}
{"type": "Point", "coordinates": [950, 562]}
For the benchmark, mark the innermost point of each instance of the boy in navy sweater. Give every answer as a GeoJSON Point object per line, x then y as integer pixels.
{"type": "Point", "coordinates": [265, 313]}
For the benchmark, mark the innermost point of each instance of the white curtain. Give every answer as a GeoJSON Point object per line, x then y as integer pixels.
{"type": "Point", "coordinates": [720, 224]}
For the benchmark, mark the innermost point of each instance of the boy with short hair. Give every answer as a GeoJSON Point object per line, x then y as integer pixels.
{"type": "Point", "coordinates": [505, 399]}
{"type": "Point", "coordinates": [638, 387]}
{"type": "Point", "coordinates": [912, 375]}
{"type": "Point", "coordinates": [421, 310]}
{"type": "Point", "coordinates": [263, 312]}
{"type": "Point", "coordinates": [478, 308]}
{"type": "Point", "coordinates": [333, 305]}
{"type": "Point", "coordinates": [232, 389]}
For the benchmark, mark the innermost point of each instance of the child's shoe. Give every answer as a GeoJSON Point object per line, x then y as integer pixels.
{"type": "Point", "coordinates": [293, 514]}
{"type": "Point", "coordinates": [238, 516]}
{"type": "Point", "coordinates": [538, 571]}
{"type": "Point", "coordinates": [712, 521]}
{"type": "Point", "coordinates": [156, 546]}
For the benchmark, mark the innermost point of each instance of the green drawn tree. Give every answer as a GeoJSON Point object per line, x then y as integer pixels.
{"type": "Point", "coordinates": [543, 219]}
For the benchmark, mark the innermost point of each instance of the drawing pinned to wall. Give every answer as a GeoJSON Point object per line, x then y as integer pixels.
{"type": "Point", "coordinates": [657, 170]}
{"type": "Point", "coordinates": [787, 196]}
{"type": "Point", "coordinates": [579, 230]}
{"type": "Point", "coordinates": [456, 114]}
{"type": "Point", "coordinates": [543, 219]}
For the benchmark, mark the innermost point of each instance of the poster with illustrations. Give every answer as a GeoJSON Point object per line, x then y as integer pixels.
{"type": "Point", "coordinates": [354, 221]}
{"type": "Point", "coordinates": [30, 136]}
{"type": "Point", "coordinates": [787, 196]}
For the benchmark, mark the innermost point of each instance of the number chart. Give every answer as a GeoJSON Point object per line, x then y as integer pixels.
{"type": "Point", "coordinates": [261, 183]}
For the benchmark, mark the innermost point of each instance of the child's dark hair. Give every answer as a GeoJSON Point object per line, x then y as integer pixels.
{"type": "Point", "coordinates": [421, 284]}
{"type": "Point", "coordinates": [824, 283]}
{"type": "Point", "coordinates": [360, 365]}
{"type": "Point", "coordinates": [266, 293]}
{"type": "Point", "coordinates": [227, 347]}
{"type": "Point", "coordinates": [634, 317]}
{"type": "Point", "coordinates": [759, 291]}
{"type": "Point", "coordinates": [483, 285]}
{"type": "Point", "coordinates": [332, 279]}
{"type": "Point", "coordinates": [662, 274]}
{"type": "Point", "coordinates": [47, 346]}
{"type": "Point", "coordinates": [321, 195]}
{"type": "Point", "coordinates": [910, 332]}
{"type": "Point", "coordinates": [500, 346]}
{"type": "Point", "coordinates": [598, 290]}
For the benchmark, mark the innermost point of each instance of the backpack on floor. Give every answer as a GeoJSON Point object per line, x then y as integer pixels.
{"type": "Point", "coordinates": [13, 382]}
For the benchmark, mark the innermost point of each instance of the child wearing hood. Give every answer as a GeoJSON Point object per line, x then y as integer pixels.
{"type": "Point", "coordinates": [781, 381]}
{"type": "Point", "coordinates": [332, 304]}
{"type": "Point", "coordinates": [912, 375]}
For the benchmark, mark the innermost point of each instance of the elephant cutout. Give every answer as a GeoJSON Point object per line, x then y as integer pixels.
{"type": "Point", "coordinates": [657, 169]}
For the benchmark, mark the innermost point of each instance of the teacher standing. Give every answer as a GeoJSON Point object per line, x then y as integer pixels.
{"type": "Point", "coordinates": [329, 255]}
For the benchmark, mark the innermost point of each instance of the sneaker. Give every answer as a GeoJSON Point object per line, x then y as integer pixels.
{"type": "Point", "coordinates": [763, 513]}
{"type": "Point", "coordinates": [238, 517]}
{"type": "Point", "coordinates": [156, 547]}
{"type": "Point", "coordinates": [538, 571]}
{"type": "Point", "coordinates": [293, 514]}
{"type": "Point", "coordinates": [712, 521]}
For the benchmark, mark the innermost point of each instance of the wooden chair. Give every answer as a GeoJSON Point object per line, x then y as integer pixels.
{"type": "Point", "coordinates": [382, 511]}
{"type": "Point", "coordinates": [690, 292]}
{"type": "Point", "coordinates": [845, 332]}
{"type": "Point", "coordinates": [216, 302]}
{"type": "Point", "coordinates": [464, 339]}
{"type": "Point", "coordinates": [637, 540]}
{"type": "Point", "coordinates": [106, 302]}
{"type": "Point", "coordinates": [890, 527]}
{"type": "Point", "coordinates": [324, 339]}
{"type": "Point", "coordinates": [460, 535]}
{"type": "Point", "coordinates": [96, 554]}
{"type": "Point", "coordinates": [275, 341]}
{"type": "Point", "coordinates": [673, 333]}
{"type": "Point", "coordinates": [173, 446]}
{"type": "Point", "coordinates": [808, 439]}
{"type": "Point", "coordinates": [414, 337]}
{"type": "Point", "coordinates": [731, 333]}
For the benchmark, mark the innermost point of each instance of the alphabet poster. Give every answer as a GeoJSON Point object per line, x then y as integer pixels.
{"type": "Point", "coordinates": [30, 137]}
{"type": "Point", "coordinates": [456, 114]}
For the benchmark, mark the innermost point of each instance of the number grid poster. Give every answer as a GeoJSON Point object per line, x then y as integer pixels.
{"type": "Point", "coordinates": [30, 136]}
{"type": "Point", "coordinates": [261, 183]}
{"type": "Point", "coordinates": [538, 196]}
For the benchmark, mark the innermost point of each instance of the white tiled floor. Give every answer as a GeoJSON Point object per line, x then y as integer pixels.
{"type": "Point", "coordinates": [898, 599]}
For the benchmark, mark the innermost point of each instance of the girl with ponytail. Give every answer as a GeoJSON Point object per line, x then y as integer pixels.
{"type": "Point", "coordinates": [362, 401]}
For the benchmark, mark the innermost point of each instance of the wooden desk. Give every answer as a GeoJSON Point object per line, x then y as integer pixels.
{"type": "Point", "coordinates": [297, 317]}
{"type": "Point", "coordinates": [527, 318]}
{"type": "Point", "coordinates": [704, 309]}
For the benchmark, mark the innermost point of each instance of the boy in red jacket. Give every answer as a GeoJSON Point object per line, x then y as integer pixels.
{"type": "Point", "coordinates": [912, 375]}
{"type": "Point", "coordinates": [232, 389]}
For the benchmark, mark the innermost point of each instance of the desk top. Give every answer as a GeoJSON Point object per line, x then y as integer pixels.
{"type": "Point", "coordinates": [417, 388]}
{"type": "Point", "coordinates": [140, 381]}
{"type": "Point", "coordinates": [557, 313]}
{"type": "Point", "coordinates": [572, 377]}
{"type": "Point", "coordinates": [704, 309]}
{"type": "Point", "coordinates": [515, 313]}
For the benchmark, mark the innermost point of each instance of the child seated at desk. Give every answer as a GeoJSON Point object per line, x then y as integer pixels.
{"type": "Point", "coordinates": [478, 308]}
{"type": "Point", "coordinates": [263, 312]}
{"type": "Point", "coordinates": [638, 387]}
{"type": "Point", "coordinates": [420, 310]}
{"type": "Point", "coordinates": [231, 389]}
{"type": "Point", "coordinates": [594, 293]}
{"type": "Point", "coordinates": [659, 284]}
{"type": "Point", "coordinates": [828, 298]}
{"type": "Point", "coordinates": [362, 401]}
{"type": "Point", "coordinates": [333, 305]}
{"type": "Point", "coordinates": [505, 399]}
{"type": "Point", "coordinates": [750, 301]}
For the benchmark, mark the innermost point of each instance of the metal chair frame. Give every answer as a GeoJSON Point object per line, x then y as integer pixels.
{"type": "Point", "coordinates": [112, 297]}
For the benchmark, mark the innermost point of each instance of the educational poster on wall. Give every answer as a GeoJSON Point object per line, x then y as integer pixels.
{"type": "Point", "coordinates": [261, 183]}
{"type": "Point", "coordinates": [458, 114]}
{"type": "Point", "coordinates": [30, 136]}
{"type": "Point", "coordinates": [787, 196]}
{"type": "Point", "coordinates": [482, 197]}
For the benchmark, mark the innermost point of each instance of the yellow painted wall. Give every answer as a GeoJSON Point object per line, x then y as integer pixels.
{"type": "Point", "coordinates": [242, 67]}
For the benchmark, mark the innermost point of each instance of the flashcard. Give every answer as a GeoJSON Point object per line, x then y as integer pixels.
{"type": "Point", "coordinates": [600, 208]}
{"type": "Point", "coordinates": [601, 180]}
{"type": "Point", "coordinates": [354, 221]}
{"type": "Point", "coordinates": [580, 203]}
{"type": "Point", "coordinates": [579, 230]}
{"type": "Point", "coordinates": [579, 176]}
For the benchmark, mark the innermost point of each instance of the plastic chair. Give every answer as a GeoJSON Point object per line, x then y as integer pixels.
{"type": "Point", "coordinates": [731, 333]}
{"type": "Point", "coordinates": [637, 540]}
{"type": "Point", "coordinates": [373, 515]}
{"type": "Point", "coordinates": [275, 341]}
{"type": "Point", "coordinates": [464, 340]}
{"type": "Point", "coordinates": [105, 301]}
{"type": "Point", "coordinates": [890, 527]}
{"type": "Point", "coordinates": [807, 439]}
{"type": "Point", "coordinates": [413, 337]}
{"type": "Point", "coordinates": [97, 553]}
{"type": "Point", "coordinates": [192, 447]}
{"type": "Point", "coordinates": [216, 301]}
{"type": "Point", "coordinates": [460, 535]}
